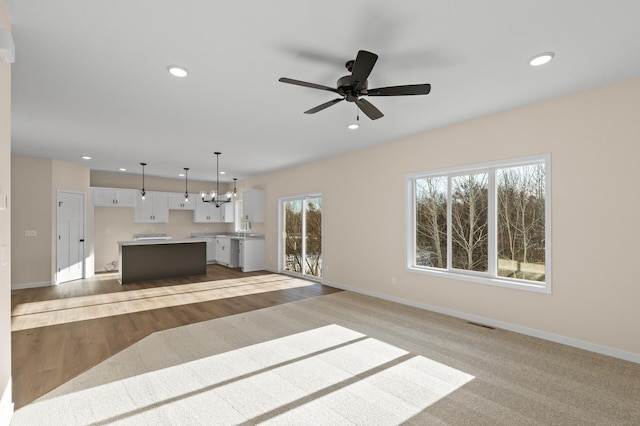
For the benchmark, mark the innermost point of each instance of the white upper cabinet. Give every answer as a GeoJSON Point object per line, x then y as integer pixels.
{"type": "Point", "coordinates": [228, 211]}
{"type": "Point", "coordinates": [153, 209]}
{"type": "Point", "coordinates": [111, 197]}
{"type": "Point", "coordinates": [177, 202]}
{"type": "Point", "coordinates": [206, 212]}
{"type": "Point", "coordinates": [253, 205]}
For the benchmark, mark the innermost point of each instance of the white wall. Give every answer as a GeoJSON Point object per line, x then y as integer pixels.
{"type": "Point", "coordinates": [6, 401]}
{"type": "Point", "coordinates": [593, 137]}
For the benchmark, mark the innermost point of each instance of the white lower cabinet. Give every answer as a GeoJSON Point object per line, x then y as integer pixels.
{"type": "Point", "coordinates": [211, 250]}
{"type": "Point", "coordinates": [227, 252]}
{"type": "Point", "coordinates": [251, 254]}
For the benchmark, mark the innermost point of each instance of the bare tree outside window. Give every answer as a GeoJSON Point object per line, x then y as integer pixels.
{"type": "Point", "coordinates": [313, 235]}
{"type": "Point", "coordinates": [521, 222]}
{"type": "Point", "coordinates": [431, 222]}
{"type": "Point", "coordinates": [303, 236]}
{"type": "Point", "coordinates": [469, 222]}
{"type": "Point", "coordinates": [293, 236]}
{"type": "Point", "coordinates": [487, 221]}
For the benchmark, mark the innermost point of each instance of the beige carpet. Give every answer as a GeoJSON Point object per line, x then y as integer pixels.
{"type": "Point", "coordinates": [344, 359]}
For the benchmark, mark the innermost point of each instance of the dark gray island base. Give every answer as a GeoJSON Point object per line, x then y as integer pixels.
{"type": "Point", "coordinates": [148, 260]}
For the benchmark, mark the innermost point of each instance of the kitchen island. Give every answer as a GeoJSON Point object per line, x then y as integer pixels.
{"type": "Point", "coordinates": [152, 259]}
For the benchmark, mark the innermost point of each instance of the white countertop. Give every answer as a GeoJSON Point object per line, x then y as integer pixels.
{"type": "Point", "coordinates": [159, 241]}
{"type": "Point", "coordinates": [232, 235]}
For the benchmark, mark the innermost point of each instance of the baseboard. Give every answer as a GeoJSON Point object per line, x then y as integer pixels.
{"type": "Point", "coordinates": [6, 405]}
{"type": "Point", "coordinates": [592, 347]}
{"type": "Point", "coordinates": [30, 285]}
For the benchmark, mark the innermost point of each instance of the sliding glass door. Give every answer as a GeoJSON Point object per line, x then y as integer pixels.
{"type": "Point", "coordinates": [301, 237]}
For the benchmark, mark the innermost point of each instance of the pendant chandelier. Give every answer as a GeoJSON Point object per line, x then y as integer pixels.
{"type": "Point", "coordinates": [215, 198]}
{"type": "Point", "coordinates": [186, 184]}
{"type": "Point", "coordinates": [142, 192]}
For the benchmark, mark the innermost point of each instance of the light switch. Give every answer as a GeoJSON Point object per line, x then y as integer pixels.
{"type": "Point", "coordinates": [4, 203]}
{"type": "Point", "coordinates": [30, 233]}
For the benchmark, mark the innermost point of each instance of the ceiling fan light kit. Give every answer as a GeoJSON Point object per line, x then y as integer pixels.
{"type": "Point", "coordinates": [353, 88]}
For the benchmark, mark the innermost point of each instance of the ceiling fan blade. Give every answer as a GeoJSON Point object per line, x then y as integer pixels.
{"type": "Point", "coordinates": [323, 106]}
{"type": "Point", "coordinates": [367, 107]}
{"type": "Point", "coordinates": [362, 67]}
{"type": "Point", "coordinates": [409, 89]}
{"type": "Point", "coordinates": [305, 84]}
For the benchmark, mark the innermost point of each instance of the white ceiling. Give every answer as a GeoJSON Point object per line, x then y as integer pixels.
{"type": "Point", "coordinates": [90, 77]}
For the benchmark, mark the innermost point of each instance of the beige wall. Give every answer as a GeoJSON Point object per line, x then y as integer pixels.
{"type": "Point", "coordinates": [116, 224]}
{"type": "Point", "coordinates": [32, 257]}
{"type": "Point", "coordinates": [593, 137]}
{"type": "Point", "coordinates": [6, 402]}
{"type": "Point", "coordinates": [35, 183]}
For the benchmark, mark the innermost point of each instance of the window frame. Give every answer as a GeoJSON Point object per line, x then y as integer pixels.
{"type": "Point", "coordinates": [491, 276]}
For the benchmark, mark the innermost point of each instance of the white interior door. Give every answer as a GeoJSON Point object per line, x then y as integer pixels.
{"type": "Point", "coordinates": [70, 231]}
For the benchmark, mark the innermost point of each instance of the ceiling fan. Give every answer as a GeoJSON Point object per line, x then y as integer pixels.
{"type": "Point", "coordinates": [352, 88]}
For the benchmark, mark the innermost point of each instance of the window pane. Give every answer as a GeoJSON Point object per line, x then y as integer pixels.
{"type": "Point", "coordinates": [469, 222]}
{"type": "Point", "coordinates": [431, 222]}
{"type": "Point", "coordinates": [521, 222]}
{"type": "Point", "coordinates": [313, 236]}
{"type": "Point", "coordinates": [293, 236]}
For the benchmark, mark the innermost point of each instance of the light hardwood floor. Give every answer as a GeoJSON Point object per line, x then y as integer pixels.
{"type": "Point", "coordinates": [61, 331]}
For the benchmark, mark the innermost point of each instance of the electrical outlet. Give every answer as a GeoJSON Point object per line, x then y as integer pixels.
{"type": "Point", "coordinates": [393, 280]}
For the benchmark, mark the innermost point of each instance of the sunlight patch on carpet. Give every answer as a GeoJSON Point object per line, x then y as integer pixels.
{"type": "Point", "coordinates": [341, 373]}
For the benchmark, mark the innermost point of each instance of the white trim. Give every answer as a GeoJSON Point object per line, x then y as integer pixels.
{"type": "Point", "coordinates": [31, 285]}
{"type": "Point", "coordinates": [280, 256]}
{"type": "Point", "coordinates": [489, 277]}
{"type": "Point", "coordinates": [6, 404]}
{"type": "Point", "coordinates": [564, 340]}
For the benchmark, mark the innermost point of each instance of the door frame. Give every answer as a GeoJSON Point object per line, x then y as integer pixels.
{"type": "Point", "coordinates": [280, 257]}
{"type": "Point", "coordinates": [84, 233]}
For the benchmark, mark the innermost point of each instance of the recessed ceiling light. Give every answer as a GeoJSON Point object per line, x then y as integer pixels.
{"type": "Point", "coordinates": [181, 174]}
{"type": "Point", "coordinates": [541, 59]}
{"type": "Point", "coordinates": [177, 71]}
{"type": "Point", "coordinates": [122, 169]}
{"type": "Point", "coordinates": [86, 157]}
{"type": "Point", "coordinates": [353, 126]}
{"type": "Point", "coordinates": [223, 173]}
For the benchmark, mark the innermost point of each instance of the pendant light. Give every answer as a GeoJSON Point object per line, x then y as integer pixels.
{"type": "Point", "coordinates": [143, 193]}
{"type": "Point", "coordinates": [215, 199]}
{"type": "Point", "coordinates": [186, 184]}
{"type": "Point", "coordinates": [235, 192]}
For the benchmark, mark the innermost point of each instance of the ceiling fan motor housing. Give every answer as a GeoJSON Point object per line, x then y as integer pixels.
{"type": "Point", "coordinates": [346, 88]}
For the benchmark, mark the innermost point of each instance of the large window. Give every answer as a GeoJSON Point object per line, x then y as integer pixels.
{"type": "Point", "coordinates": [487, 223]}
